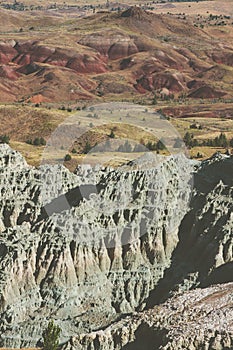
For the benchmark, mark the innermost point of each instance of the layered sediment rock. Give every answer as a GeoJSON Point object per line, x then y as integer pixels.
{"type": "Point", "coordinates": [200, 319]}
{"type": "Point", "coordinates": [84, 248]}
{"type": "Point", "coordinates": [153, 50]}
{"type": "Point", "coordinates": [204, 253]}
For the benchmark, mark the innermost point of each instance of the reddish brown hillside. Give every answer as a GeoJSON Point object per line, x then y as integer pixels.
{"type": "Point", "coordinates": [127, 54]}
{"type": "Point", "coordinates": [206, 92]}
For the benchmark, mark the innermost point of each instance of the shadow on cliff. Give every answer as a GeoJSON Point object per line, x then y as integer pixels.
{"type": "Point", "coordinates": [199, 239]}
{"type": "Point", "coordinates": [147, 338]}
{"type": "Point", "coordinates": [70, 199]}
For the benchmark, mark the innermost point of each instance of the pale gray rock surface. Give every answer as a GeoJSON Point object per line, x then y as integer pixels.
{"type": "Point", "coordinates": [204, 254]}
{"type": "Point", "coordinates": [84, 262]}
{"type": "Point", "coordinates": [199, 319]}
{"type": "Point", "coordinates": [86, 249]}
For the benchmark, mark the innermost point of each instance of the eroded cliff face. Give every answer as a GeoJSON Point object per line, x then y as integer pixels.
{"type": "Point", "coordinates": [204, 254]}
{"type": "Point", "coordinates": [199, 319]}
{"type": "Point", "coordinates": [85, 248]}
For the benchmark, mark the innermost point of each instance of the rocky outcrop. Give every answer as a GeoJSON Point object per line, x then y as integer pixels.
{"type": "Point", "coordinates": [88, 248]}
{"type": "Point", "coordinates": [84, 248]}
{"type": "Point", "coordinates": [113, 45]}
{"type": "Point", "coordinates": [200, 319]}
{"type": "Point", "coordinates": [137, 13]}
{"type": "Point", "coordinates": [31, 52]}
{"type": "Point", "coordinates": [204, 253]}
{"type": "Point", "coordinates": [172, 82]}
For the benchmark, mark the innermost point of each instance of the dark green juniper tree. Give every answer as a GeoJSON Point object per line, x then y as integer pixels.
{"type": "Point", "coordinates": [4, 139]}
{"type": "Point", "coordinates": [51, 336]}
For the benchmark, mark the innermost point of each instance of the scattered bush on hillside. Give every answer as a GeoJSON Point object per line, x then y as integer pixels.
{"type": "Point", "coordinates": [4, 139]}
{"type": "Point", "coordinates": [112, 134]}
{"type": "Point", "coordinates": [67, 158]}
{"type": "Point", "coordinates": [142, 147]}
{"type": "Point", "coordinates": [38, 141]}
{"type": "Point", "coordinates": [51, 336]}
{"type": "Point", "coordinates": [218, 141]}
{"type": "Point", "coordinates": [87, 147]}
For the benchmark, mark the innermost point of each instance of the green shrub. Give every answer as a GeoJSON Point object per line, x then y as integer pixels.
{"type": "Point", "coordinates": [42, 141]}
{"type": "Point", "coordinates": [29, 141]}
{"type": "Point", "coordinates": [87, 147]}
{"type": "Point", "coordinates": [112, 134]}
{"type": "Point", "coordinates": [67, 157]}
{"type": "Point", "coordinates": [51, 336]}
{"type": "Point", "coordinates": [4, 139]}
{"type": "Point", "coordinates": [38, 141]}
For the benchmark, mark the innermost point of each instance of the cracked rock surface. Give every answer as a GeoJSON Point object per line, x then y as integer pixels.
{"type": "Point", "coordinates": [120, 258]}
{"type": "Point", "coordinates": [84, 249]}
{"type": "Point", "coordinates": [198, 319]}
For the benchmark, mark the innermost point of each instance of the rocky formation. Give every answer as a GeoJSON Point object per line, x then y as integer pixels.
{"type": "Point", "coordinates": [84, 248]}
{"type": "Point", "coordinates": [88, 248]}
{"type": "Point", "coordinates": [113, 45]}
{"type": "Point", "coordinates": [30, 52]}
{"type": "Point", "coordinates": [204, 254]}
{"type": "Point", "coordinates": [136, 13]}
{"type": "Point", "coordinates": [172, 82]}
{"type": "Point", "coordinates": [200, 319]}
